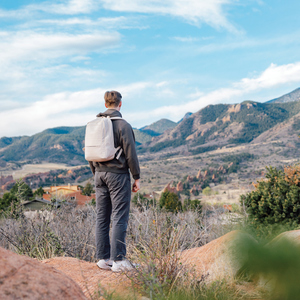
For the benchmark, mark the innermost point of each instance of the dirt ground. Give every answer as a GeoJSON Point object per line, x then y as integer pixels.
{"type": "Point", "coordinates": [37, 168]}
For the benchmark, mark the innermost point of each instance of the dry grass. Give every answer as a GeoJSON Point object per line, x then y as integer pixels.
{"type": "Point", "coordinates": [70, 231]}
{"type": "Point", "coordinates": [37, 168]}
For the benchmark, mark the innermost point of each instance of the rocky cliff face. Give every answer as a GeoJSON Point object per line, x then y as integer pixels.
{"type": "Point", "coordinates": [220, 125]}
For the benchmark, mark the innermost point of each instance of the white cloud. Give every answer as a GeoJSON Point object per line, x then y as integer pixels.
{"type": "Point", "coordinates": [70, 7]}
{"type": "Point", "coordinates": [272, 77]}
{"type": "Point", "coordinates": [60, 109]}
{"type": "Point", "coordinates": [187, 39]}
{"type": "Point", "coordinates": [104, 22]}
{"type": "Point", "coordinates": [28, 45]}
{"type": "Point", "coordinates": [54, 110]}
{"type": "Point", "coordinates": [193, 11]}
{"type": "Point", "coordinates": [35, 63]}
{"type": "Point", "coordinates": [77, 108]}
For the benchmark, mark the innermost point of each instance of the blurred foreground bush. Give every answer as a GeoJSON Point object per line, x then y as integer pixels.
{"type": "Point", "coordinates": [274, 267]}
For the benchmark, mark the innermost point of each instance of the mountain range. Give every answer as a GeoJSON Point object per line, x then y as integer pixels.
{"type": "Point", "coordinates": [212, 127]}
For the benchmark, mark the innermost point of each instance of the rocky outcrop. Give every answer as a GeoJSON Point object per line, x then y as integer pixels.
{"type": "Point", "coordinates": [215, 259]}
{"type": "Point", "coordinates": [293, 236]}
{"type": "Point", "coordinates": [170, 188]}
{"type": "Point", "coordinates": [226, 119]}
{"type": "Point", "coordinates": [90, 278]}
{"type": "Point", "coordinates": [22, 277]}
{"type": "Point", "coordinates": [199, 176]}
{"type": "Point", "coordinates": [179, 187]}
{"type": "Point", "coordinates": [189, 179]}
{"type": "Point", "coordinates": [235, 108]}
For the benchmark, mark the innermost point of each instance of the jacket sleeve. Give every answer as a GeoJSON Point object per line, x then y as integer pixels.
{"type": "Point", "coordinates": [128, 146]}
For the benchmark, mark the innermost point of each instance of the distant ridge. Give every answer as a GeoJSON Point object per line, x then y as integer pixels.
{"type": "Point", "coordinates": [159, 127]}
{"type": "Point", "coordinates": [187, 115]}
{"type": "Point", "coordinates": [289, 97]}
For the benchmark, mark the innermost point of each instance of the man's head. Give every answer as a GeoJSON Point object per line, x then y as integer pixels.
{"type": "Point", "coordinates": [113, 99]}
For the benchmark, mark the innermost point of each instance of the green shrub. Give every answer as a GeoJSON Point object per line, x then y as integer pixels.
{"type": "Point", "coordinates": [6, 200]}
{"type": "Point", "coordinates": [170, 201]}
{"type": "Point", "coordinates": [88, 189]}
{"type": "Point", "coordinates": [142, 202]}
{"type": "Point", "coordinates": [275, 199]}
{"type": "Point", "coordinates": [207, 191]}
{"type": "Point", "coordinates": [194, 205]}
{"type": "Point", "coordinates": [39, 192]}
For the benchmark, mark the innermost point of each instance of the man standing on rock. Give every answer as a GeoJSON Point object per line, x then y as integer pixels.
{"type": "Point", "coordinates": [113, 190]}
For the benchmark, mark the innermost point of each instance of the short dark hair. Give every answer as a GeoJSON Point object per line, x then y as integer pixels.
{"type": "Point", "coordinates": [112, 98]}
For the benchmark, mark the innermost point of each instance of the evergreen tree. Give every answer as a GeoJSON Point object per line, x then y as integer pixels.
{"type": "Point", "coordinates": [39, 192]}
{"type": "Point", "coordinates": [276, 199]}
{"type": "Point", "coordinates": [88, 189]}
{"type": "Point", "coordinates": [170, 201]}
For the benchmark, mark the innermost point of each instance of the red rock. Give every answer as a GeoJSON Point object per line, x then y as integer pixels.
{"type": "Point", "coordinates": [22, 277]}
{"type": "Point", "coordinates": [199, 176]}
{"type": "Point", "coordinates": [215, 258]}
{"type": "Point", "coordinates": [189, 179]}
{"type": "Point", "coordinates": [170, 188]}
{"type": "Point", "coordinates": [90, 278]}
{"type": "Point", "coordinates": [179, 187]}
{"type": "Point", "coordinates": [227, 207]}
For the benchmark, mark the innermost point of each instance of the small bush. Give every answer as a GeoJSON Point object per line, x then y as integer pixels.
{"type": "Point", "coordinates": [193, 205]}
{"type": "Point", "coordinates": [140, 201]}
{"type": "Point", "coordinates": [170, 202]}
{"type": "Point", "coordinates": [207, 191]}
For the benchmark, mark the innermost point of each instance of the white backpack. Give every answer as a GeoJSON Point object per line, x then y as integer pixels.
{"type": "Point", "coordinates": [99, 140]}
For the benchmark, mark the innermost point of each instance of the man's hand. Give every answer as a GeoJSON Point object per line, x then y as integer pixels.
{"type": "Point", "coordinates": [136, 185]}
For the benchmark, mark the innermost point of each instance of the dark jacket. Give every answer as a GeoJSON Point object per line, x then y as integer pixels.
{"type": "Point", "coordinates": [124, 137]}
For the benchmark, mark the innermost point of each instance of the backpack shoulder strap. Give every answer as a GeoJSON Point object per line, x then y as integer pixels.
{"type": "Point", "coordinates": [118, 148]}
{"type": "Point", "coordinates": [115, 118]}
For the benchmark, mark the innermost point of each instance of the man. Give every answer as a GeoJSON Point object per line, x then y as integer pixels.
{"type": "Point", "coordinates": [113, 190]}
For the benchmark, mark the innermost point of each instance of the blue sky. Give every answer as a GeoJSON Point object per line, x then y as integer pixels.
{"type": "Point", "coordinates": [165, 57]}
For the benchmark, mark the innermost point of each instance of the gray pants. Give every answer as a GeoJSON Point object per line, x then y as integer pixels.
{"type": "Point", "coordinates": [113, 193]}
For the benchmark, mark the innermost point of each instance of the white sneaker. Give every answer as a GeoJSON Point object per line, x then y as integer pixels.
{"type": "Point", "coordinates": [122, 265]}
{"type": "Point", "coordinates": [105, 264]}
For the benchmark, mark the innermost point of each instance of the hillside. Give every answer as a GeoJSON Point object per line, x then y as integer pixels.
{"type": "Point", "coordinates": [141, 137]}
{"type": "Point", "coordinates": [290, 97]}
{"type": "Point", "coordinates": [53, 145]}
{"type": "Point", "coordinates": [158, 127]}
{"type": "Point", "coordinates": [218, 125]}
{"type": "Point", "coordinates": [64, 144]}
